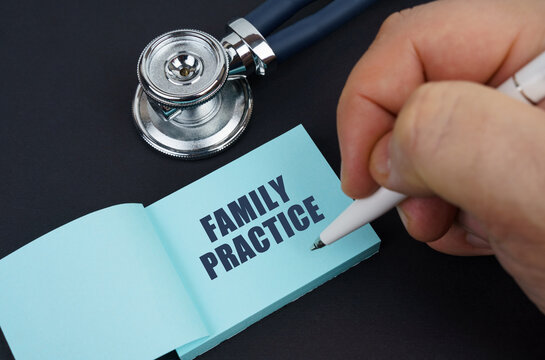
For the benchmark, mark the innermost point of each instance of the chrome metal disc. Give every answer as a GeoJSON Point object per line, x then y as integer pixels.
{"type": "Point", "coordinates": [197, 131]}
{"type": "Point", "coordinates": [183, 68]}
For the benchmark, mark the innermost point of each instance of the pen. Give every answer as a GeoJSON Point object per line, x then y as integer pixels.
{"type": "Point", "coordinates": [527, 85]}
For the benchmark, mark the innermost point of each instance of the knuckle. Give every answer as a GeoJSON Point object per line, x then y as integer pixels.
{"type": "Point", "coordinates": [391, 23]}
{"type": "Point", "coordinates": [395, 20]}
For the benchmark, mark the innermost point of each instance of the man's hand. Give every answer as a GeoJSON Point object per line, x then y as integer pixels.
{"type": "Point", "coordinates": [414, 118]}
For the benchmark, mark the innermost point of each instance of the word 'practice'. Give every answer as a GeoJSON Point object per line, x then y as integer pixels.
{"type": "Point", "coordinates": [256, 208]}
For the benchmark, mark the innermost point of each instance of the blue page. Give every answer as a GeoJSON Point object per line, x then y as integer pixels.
{"type": "Point", "coordinates": [240, 237]}
{"type": "Point", "coordinates": [100, 287]}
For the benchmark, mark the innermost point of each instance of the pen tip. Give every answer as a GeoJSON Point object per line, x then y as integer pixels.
{"type": "Point", "coordinates": [317, 245]}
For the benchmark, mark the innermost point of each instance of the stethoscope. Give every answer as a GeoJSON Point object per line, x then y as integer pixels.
{"type": "Point", "coordinates": [194, 100]}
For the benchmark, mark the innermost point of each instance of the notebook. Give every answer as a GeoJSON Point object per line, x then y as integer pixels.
{"type": "Point", "coordinates": [187, 272]}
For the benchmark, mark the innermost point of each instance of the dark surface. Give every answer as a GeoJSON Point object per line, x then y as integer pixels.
{"type": "Point", "coordinates": [69, 147]}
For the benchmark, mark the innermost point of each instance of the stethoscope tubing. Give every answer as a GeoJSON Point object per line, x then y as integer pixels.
{"type": "Point", "coordinates": [272, 13]}
{"type": "Point", "coordinates": [294, 38]}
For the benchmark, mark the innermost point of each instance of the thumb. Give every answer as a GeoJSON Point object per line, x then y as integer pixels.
{"type": "Point", "coordinates": [483, 152]}
{"type": "Point", "coordinates": [472, 146]}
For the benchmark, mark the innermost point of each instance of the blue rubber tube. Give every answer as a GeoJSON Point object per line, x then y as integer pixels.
{"type": "Point", "coordinates": [273, 13]}
{"type": "Point", "coordinates": [309, 30]}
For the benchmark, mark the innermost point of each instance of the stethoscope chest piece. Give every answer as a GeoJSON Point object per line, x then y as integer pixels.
{"type": "Point", "coordinates": [186, 105]}
{"type": "Point", "coordinates": [193, 99]}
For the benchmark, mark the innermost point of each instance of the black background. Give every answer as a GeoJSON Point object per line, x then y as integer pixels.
{"type": "Point", "coordinates": [69, 147]}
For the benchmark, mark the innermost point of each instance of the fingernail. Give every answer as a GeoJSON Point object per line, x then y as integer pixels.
{"type": "Point", "coordinates": [384, 167]}
{"type": "Point", "coordinates": [402, 216]}
{"type": "Point", "coordinates": [382, 162]}
{"type": "Point", "coordinates": [477, 241]}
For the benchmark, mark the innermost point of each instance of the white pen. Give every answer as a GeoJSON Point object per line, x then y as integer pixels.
{"type": "Point", "coordinates": [527, 85]}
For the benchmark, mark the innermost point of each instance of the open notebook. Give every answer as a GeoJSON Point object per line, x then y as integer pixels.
{"type": "Point", "coordinates": [187, 272]}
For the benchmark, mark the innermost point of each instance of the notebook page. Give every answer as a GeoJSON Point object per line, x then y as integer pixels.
{"type": "Point", "coordinates": [241, 235]}
{"type": "Point", "coordinates": [99, 287]}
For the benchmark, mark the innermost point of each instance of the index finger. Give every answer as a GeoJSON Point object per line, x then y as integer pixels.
{"type": "Point", "coordinates": [443, 40]}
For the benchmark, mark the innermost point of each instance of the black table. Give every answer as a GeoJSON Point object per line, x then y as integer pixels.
{"type": "Point", "coordinates": [69, 147]}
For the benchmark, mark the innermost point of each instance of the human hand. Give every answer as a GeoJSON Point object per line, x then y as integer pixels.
{"type": "Point", "coordinates": [414, 118]}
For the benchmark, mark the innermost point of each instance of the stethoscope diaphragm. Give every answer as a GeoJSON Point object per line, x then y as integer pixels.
{"type": "Point", "coordinates": [183, 68]}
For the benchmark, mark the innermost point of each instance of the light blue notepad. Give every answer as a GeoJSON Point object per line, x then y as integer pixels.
{"type": "Point", "coordinates": [188, 271]}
